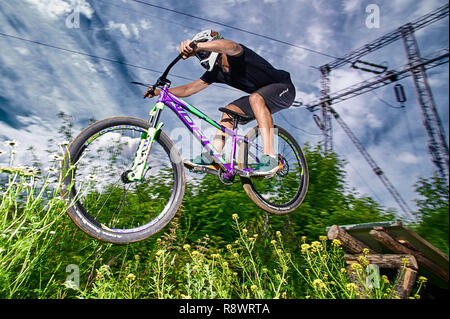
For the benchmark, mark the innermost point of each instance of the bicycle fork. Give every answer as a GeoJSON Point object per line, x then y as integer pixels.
{"type": "Point", "coordinates": [145, 144]}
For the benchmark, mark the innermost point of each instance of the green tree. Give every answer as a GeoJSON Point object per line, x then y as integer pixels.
{"type": "Point", "coordinates": [433, 211]}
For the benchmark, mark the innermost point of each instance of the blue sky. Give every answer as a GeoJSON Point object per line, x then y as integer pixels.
{"type": "Point", "coordinates": [37, 82]}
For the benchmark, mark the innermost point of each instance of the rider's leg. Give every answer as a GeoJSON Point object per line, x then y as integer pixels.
{"type": "Point", "coordinates": [227, 121]}
{"type": "Point", "coordinates": [265, 122]}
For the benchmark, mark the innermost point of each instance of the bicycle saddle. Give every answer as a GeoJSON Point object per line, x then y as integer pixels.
{"type": "Point", "coordinates": [242, 118]}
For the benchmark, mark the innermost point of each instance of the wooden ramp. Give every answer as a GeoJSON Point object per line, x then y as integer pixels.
{"type": "Point", "coordinates": [390, 242]}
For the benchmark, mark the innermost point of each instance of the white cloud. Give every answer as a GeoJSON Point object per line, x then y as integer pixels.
{"type": "Point", "coordinates": [122, 27]}
{"type": "Point", "coordinates": [58, 8]}
{"type": "Point", "coordinates": [373, 121]}
{"type": "Point", "coordinates": [351, 5]}
{"type": "Point", "coordinates": [318, 35]}
{"type": "Point", "coordinates": [135, 30]}
{"type": "Point", "coordinates": [22, 50]}
{"type": "Point", "coordinates": [144, 24]}
{"type": "Point", "coordinates": [128, 30]}
{"type": "Point", "coordinates": [407, 158]}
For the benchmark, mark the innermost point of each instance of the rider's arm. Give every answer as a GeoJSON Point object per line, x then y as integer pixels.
{"type": "Point", "coordinates": [228, 47]}
{"type": "Point", "coordinates": [187, 89]}
{"type": "Point", "coordinates": [221, 46]}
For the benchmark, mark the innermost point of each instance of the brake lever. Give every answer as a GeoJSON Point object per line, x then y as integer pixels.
{"type": "Point", "coordinates": [141, 84]}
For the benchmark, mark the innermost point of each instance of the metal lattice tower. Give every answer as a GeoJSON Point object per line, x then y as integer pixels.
{"type": "Point", "coordinates": [436, 142]}
{"type": "Point", "coordinates": [437, 146]}
{"type": "Point", "coordinates": [416, 67]}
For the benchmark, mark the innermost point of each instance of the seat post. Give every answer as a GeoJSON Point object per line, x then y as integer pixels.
{"type": "Point", "coordinates": [235, 123]}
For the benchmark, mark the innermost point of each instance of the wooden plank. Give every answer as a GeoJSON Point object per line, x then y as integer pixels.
{"type": "Point", "coordinates": [392, 261]}
{"type": "Point", "coordinates": [426, 243]}
{"type": "Point", "coordinates": [405, 282]}
{"type": "Point", "coordinates": [392, 244]}
{"type": "Point", "coordinates": [349, 243]}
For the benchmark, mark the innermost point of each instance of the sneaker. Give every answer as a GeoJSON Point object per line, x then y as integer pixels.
{"type": "Point", "coordinates": [203, 159]}
{"type": "Point", "coordinates": [267, 166]}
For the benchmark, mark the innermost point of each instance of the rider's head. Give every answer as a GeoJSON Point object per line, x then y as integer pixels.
{"type": "Point", "coordinates": [207, 59]}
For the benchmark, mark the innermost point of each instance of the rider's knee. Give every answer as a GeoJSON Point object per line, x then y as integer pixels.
{"type": "Point", "coordinates": [255, 99]}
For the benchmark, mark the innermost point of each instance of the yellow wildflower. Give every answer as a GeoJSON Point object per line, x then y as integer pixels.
{"type": "Point", "coordinates": [130, 277]}
{"type": "Point", "coordinates": [356, 267]}
{"type": "Point", "coordinates": [235, 216]}
{"type": "Point", "coordinates": [405, 262]}
{"type": "Point", "coordinates": [316, 244]}
{"type": "Point", "coordinates": [366, 251]}
{"type": "Point", "coordinates": [336, 243]}
{"type": "Point", "coordinates": [323, 238]}
{"type": "Point", "coordinates": [160, 252]}
{"type": "Point", "coordinates": [319, 284]}
{"type": "Point", "coordinates": [422, 279]}
{"type": "Point", "coordinates": [351, 287]}
{"type": "Point", "coordinates": [305, 248]}
{"type": "Point", "coordinates": [363, 261]}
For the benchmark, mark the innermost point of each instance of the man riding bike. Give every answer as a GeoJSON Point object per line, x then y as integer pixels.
{"type": "Point", "coordinates": [270, 90]}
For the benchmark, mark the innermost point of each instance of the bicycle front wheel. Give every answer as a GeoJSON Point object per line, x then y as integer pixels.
{"type": "Point", "coordinates": [107, 206]}
{"type": "Point", "coordinates": [284, 192]}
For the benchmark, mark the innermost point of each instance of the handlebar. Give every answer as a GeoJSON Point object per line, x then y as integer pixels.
{"type": "Point", "coordinates": [162, 80]}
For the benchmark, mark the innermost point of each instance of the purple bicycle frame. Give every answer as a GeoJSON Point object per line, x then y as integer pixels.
{"type": "Point", "coordinates": [181, 109]}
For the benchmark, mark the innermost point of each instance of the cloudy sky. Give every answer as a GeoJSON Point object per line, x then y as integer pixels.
{"type": "Point", "coordinates": [38, 81]}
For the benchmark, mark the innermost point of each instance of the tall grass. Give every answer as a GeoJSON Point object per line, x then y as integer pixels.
{"type": "Point", "coordinates": [38, 242]}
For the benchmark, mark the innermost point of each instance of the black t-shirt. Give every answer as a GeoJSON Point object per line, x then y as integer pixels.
{"type": "Point", "coordinates": [247, 72]}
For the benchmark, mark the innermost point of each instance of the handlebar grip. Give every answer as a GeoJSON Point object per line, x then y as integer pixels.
{"type": "Point", "coordinates": [150, 91]}
{"type": "Point", "coordinates": [193, 44]}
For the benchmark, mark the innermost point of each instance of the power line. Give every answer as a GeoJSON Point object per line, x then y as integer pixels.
{"type": "Point", "coordinates": [193, 28]}
{"type": "Point", "coordinates": [297, 128]}
{"type": "Point", "coordinates": [235, 28]}
{"type": "Point", "coordinates": [101, 58]}
{"type": "Point", "coordinates": [151, 16]}
{"type": "Point", "coordinates": [85, 54]}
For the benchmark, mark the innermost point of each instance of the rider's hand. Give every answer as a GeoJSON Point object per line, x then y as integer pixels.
{"type": "Point", "coordinates": [149, 95]}
{"type": "Point", "coordinates": [185, 50]}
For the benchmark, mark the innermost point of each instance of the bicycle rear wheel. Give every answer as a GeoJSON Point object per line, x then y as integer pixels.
{"type": "Point", "coordinates": [109, 207]}
{"type": "Point", "coordinates": [284, 192]}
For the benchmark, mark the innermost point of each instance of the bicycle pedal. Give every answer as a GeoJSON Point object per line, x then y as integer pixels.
{"type": "Point", "coordinates": [211, 169]}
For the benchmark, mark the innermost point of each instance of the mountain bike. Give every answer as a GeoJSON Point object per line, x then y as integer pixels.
{"type": "Point", "coordinates": [126, 179]}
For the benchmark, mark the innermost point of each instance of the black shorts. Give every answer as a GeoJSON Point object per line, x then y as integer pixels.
{"type": "Point", "coordinates": [278, 96]}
